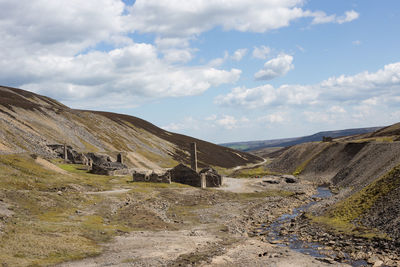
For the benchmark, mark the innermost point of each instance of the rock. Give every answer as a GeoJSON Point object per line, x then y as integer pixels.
{"type": "Point", "coordinates": [270, 181]}
{"type": "Point", "coordinates": [275, 242]}
{"type": "Point", "coordinates": [372, 259]}
{"type": "Point", "coordinates": [378, 263]}
{"type": "Point", "coordinates": [290, 180]}
{"type": "Point", "coordinates": [326, 260]}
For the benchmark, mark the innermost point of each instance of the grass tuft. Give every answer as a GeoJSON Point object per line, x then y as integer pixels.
{"type": "Point", "coordinates": [343, 215]}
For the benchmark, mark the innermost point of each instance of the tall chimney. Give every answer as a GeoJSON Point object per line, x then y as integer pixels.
{"type": "Point", "coordinates": [65, 154]}
{"type": "Point", "coordinates": [193, 156]}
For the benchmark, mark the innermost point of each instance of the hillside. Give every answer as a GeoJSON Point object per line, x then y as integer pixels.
{"type": "Point", "coordinates": [29, 122]}
{"type": "Point", "coordinates": [260, 145]}
{"type": "Point", "coordinates": [365, 170]}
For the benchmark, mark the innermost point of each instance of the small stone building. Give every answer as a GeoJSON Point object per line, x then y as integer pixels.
{"type": "Point", "coordinates": [185, 175]}
{"type": "Point", "coordinates": [213, 178]}
{"type": "Point", "coordinates": [182, 174]}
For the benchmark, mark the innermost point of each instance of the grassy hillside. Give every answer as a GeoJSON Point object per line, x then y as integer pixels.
{"type": "Point", "coordinates": [28, 122]}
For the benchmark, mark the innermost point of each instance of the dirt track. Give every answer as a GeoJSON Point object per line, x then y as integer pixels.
{"type": "Point", "coordinates": [218, 236]}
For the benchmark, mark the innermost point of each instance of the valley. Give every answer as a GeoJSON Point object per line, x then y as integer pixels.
{"type": "Point", "coordinates": [54, 212]}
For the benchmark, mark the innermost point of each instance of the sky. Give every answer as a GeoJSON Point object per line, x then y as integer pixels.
{"type": "Point", "coordinates": [218, 70]}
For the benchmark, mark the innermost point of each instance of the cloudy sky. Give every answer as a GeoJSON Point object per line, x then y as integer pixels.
{"type": "Point", "coordinates": [220, 70]}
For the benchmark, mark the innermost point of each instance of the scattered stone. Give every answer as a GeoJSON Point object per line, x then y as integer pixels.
{"type": "Point", "coordinates": [270, 181]}
{"type": "Point", "coordinates": [378, 263]}
{"type": "Point", "coordinates": [291, 180]}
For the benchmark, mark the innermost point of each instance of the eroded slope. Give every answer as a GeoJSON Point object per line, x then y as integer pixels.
{"type": "Point", "coordinates": [28, 122]}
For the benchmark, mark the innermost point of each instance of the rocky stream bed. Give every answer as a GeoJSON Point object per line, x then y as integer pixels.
{"type": "Point", "coordinates": [296, 232]}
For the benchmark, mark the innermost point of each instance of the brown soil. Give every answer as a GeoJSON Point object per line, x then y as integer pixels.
{"type": "Point", "coordinates": [208, 153]}
{"type": "Point", "coordinates": [197, 227]}
{"type": "Point", "coordinates": [289, 160]}
{"type": "Point", "coordinates": [50, 166]}
{"type": "Point", "coordinates": [387, 131]}
{"type": "Point", "coordinates": [28, 122]}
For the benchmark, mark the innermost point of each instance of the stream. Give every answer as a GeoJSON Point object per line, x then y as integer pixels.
{"type": "Point", "coordinates": [276, 233]}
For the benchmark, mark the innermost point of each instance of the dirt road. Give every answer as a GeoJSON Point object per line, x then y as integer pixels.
{"type": "Point", "coordinates": [213, 228]}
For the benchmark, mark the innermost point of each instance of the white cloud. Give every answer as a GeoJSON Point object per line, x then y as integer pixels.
{"type": "Point", "coordinates": [250, 98]}
{"type": "Point", "coordinates": [383, 85]}
{"type": "Point", "coordinates": [43, 27]}
{"type": "Point", "coordinates": [239, 54]}
{"type": "Point", "coordinates": [82, 52]}
{"type": "Point", "coordinates": [261, 52]}
{"type": "Point", "coordinates": [211, 118]}
{"type": "Point", "coordinates": [218, 122]}
{"type": "Point", "coordinates": [188, 18]}
{"type": "Point", "coordinates": [219, 61]}
{"type": "Point", "coordinates": [356, 42]}
{"type": "Point", "coordinates": [277, 117]}
{"type": "Point", "coordinates": [168, 43]}
{"type": "Point", "coordinates": [318, 117]}
{"type": "Point", "coordinates": [320, 17]}
{"type": "Point", "coordinates": [337, 109]}
{"type": "Point", "coordinates": [228, 122]}
{"type": "Point", "coordinates": [51, 49]}
{"type": "Point", "coordinates": [275, 67]}
{"type": "Point", "coordinates": [178, 55]}
{"type": "Point", "coordinates": [132, 71]}
{"type": "Point", "coordinates": [349, 16]}
{"type": "Point", "coordinates": [173, 127]}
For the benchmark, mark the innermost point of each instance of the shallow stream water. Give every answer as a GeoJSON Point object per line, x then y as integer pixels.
{"type": "Point", "coordinates": [273, 233]}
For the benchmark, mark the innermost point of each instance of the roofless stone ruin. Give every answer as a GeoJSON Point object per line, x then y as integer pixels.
{"type": "Point", "coordinates": [103, 165]}
{"type": "Point", "coordinates": [207, 177]}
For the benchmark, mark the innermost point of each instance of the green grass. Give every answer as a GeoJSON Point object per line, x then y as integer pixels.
{"type": "Point", "coordinates": [46, 228]}
{"type": "Point", "coordinates": [239, 147]}
{"type": "Point", "coordinates": [252, 172]}
{"type": "Point", "coordinates": [343, 214]}
{"type": "Point", "coordinates": [383, 139]}
{"type": "Point", "coordinates": [56, 220]}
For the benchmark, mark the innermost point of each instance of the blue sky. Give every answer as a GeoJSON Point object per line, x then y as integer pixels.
{"type": "Point", "coordinates": [218, 70]}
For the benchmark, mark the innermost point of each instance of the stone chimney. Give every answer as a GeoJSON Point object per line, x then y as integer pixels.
{"type": "Point", "coordinates": [65, 154]}
{"type": "Point", "coordinates": [193, 156]}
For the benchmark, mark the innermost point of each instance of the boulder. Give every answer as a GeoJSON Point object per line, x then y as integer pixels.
{"type": "Point", "coordinates": [290, 179]}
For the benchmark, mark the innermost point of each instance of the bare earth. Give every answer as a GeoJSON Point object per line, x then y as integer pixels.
{"type": "Point", "coordinates": [220, 238]}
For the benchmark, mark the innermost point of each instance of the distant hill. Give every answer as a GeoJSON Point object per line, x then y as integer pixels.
{"type": "Point", "coordinates": [257, 145]}
{"type": "Point", "coordinates": [29, 122]}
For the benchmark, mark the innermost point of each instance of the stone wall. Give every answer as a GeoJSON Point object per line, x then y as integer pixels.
{"type": "Point", "coordinates": [152, 177]}
{"type": "Point", "coordinates": [110, 168]}
{"type": "Point", "coordinates": [185, 175]}
{"type": "Point", "coordinates": [213, 179]}
{"type": "Point", "coordinates": [71, 155]}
